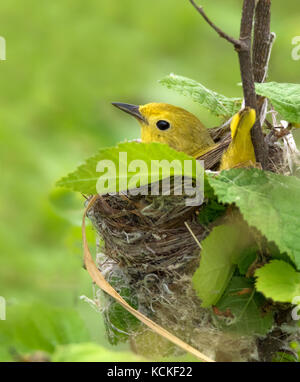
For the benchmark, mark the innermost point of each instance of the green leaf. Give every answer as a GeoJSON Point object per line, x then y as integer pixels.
{"type": "Point", "coordinates": [217, 104]}
{"type": "Point", "coordinates": [85, 178]}
{"type": "Point", "coordinates": [35, 327]}
{"type": "Point", "coordinates": [284, 357]}
{"type": "Point", "coordinates": [247, 258]}
{"type": "Point", "coordinates": [275, 253]}
{"type": "Point", "coordinates": [219, 255]}
{"type": "Point", "coordinates": [268, 202]}
{"type": "Point", "coordinates": [90, 352]}
{"type": "Point", "coordinates": [119, 323]}
{"type": "Point", "coordinates": [244, 306]}
{"type": "Point", "coordinates": [211, 211]}
{"type": "Point", "coordinates": [279, 281]}
{"type": "Point", "coordinates": [284, 97]}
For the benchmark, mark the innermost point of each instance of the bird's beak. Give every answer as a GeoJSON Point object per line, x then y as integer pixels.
{"type": "Point", "coordinates": [133, 110]}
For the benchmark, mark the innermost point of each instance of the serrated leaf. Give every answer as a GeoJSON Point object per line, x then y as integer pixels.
{"type": "Point", "coordinates": [268, 202]}
{"type": "Point", "coordinates": [244, 306]}
{"type": "Point", "coordinates": [284, 97]}
{"type": "Point", "coordinates": [219, 255]}
{"type": "Point", "coordinates": [85, 178]}
{"type": "Point", "coordinates": [216, 103]}
{"type": "Point", "coordinates": [279, 281]}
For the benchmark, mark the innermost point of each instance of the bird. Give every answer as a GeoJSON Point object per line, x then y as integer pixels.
{"type": "Point", "coordinates": [165, 123]}
{"type": "Point", "coordinates": [240, 152]}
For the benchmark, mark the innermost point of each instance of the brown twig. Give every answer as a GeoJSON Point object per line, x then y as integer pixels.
{"type": "Point", "coordinates": [262, 47]}
{"type": "Point", "coordinates": [248, 78]}
{"type": "Point", "coordinates": [235, 42]}
{"type": "Point", "coordinates": [245, 54]}
{"type": "Point", "coordinates": [243, 48]}
{"type": "Point", "coordinates": [262, 41]}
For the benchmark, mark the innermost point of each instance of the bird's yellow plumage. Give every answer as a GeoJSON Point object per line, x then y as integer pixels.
{"type": "Point", "coordinates": [240, 152]}
{"type": "Point", "coordinates": [181, 130]}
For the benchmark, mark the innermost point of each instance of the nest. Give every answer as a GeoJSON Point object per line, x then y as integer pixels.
{"type": "Point", "coordinates": [147, 234]}
{"type": "Point", "coordinates": [148, 247]}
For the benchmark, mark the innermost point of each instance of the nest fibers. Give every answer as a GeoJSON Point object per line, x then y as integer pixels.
{"type": "Point", "coordinates": [148, 247]}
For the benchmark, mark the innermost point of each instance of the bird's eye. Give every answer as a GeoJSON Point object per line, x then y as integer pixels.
{"type": "Point", "coordinates": [163, 125]}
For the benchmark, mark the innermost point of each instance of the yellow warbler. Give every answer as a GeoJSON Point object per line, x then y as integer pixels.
{"type": "Point", "coordinates": [172, 125]}
{"type": "Point", "coordinates": [240, 152]}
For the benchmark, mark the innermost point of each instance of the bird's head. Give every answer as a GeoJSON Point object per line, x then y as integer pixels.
{"type": "Point", "coordinates": [161, 122]}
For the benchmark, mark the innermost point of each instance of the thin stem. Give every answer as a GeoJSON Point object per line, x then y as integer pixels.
{"type": "Point", "coordinates": [232, 40]}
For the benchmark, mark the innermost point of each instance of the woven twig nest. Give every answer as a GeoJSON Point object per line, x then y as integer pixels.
{"type": "Point", "coordinates": [150, 244]}
{"type": "Point", "coordinates": [148, 247]}
{"type": "Point", "coordinates": [148, 234]}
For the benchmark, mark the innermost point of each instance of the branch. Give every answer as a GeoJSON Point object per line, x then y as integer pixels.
{"type": "Point", "coordinates": [262, 47]}
{"type": "Point", "coordinates": [243, 48]}
{"type": "Point", "coordinates": [232, 40]}
{"type": "Point", "coordinates": [245, 55]}
{"type": "Point", "coordinates": [248, 79]}
{"type": "Point", "coordinates": [263, 40]}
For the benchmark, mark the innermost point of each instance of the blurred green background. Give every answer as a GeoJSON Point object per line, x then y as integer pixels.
{"type": "Point", "coordinates": [67, 60]}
